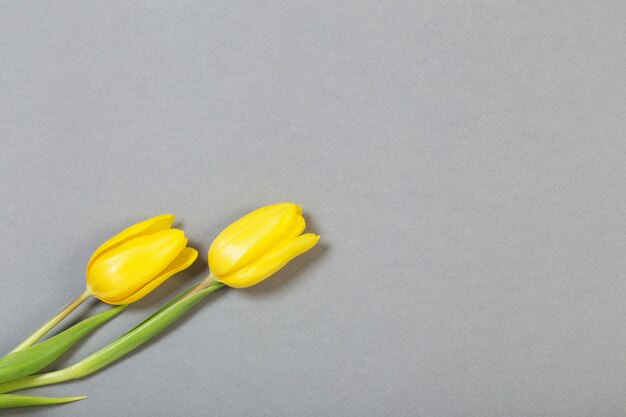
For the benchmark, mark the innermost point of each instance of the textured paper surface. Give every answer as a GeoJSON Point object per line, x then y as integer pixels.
{"type": "Point", "coordinates": [463, 161]}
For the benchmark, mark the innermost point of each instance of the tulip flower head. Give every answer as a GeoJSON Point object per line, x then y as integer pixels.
{"type": "Point", "coordinates": [137, 260]}
{"type": "Point", "coordinates": [259, 244]}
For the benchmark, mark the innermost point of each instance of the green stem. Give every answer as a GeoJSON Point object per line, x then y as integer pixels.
{"type": "Point", "coordinates": [206, 283]}
{"type": "Point", "coordinates": [40, 332]}
{"type": "Point", "coordinates": [145, 331]}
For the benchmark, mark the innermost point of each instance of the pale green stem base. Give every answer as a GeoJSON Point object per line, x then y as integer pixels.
{"type": "Point", "coordinates": [206, 283]}
{"type": "Point", "coordinates": [40, 332]}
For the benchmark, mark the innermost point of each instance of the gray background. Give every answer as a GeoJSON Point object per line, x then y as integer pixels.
{"type": "Point", "coordinates": [463, 161]}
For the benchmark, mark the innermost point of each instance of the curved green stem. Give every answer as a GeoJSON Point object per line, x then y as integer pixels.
{"type": "Point", "coordinates": [136, 337]}
{"type": "Point", "coordinates": [40, 332]}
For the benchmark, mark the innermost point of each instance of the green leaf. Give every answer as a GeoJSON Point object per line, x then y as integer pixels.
{"type": "Point", "coordinates": [30, 360]}
{"type": "Point", "coordinates": [136, 337]}
{"type": "Point", "coordinates": [14, 401]}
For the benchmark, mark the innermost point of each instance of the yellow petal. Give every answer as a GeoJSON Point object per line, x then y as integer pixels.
{"type": "Point", "coordinates": [269, 264]}
{"type": "Point", "coordinates": [183, 261]}
{"type": "Point", "coordinates": [253, 235]}
{"type": "Point", "coordinates": [122, 270]}
{"type": "Point", "coordinates": [297, 228]}
{"type": "Point", "coordinates": [153, 224]}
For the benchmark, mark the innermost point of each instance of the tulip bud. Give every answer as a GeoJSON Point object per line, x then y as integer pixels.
{"type": "Point", "coordinates": [260, 243]}
{"type": "Point", "coordinates": [137, 260]}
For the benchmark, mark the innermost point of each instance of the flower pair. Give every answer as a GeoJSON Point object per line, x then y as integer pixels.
{"type": "Point", "coordinates": [132, 264]}
{"type": "Point", "coordinates": [140, 258]}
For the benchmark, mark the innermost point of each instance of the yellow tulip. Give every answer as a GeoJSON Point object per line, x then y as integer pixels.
{"type": "Point", "coordinates": [137, 260]}
{"type": "Point", "coordinates": [128, 266]}
{"type": "Point", "coordinates": [260, 243]}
